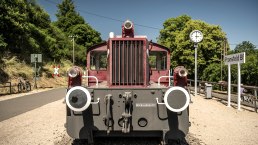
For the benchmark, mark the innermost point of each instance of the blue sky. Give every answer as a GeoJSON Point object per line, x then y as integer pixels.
{"type": "Point", "coordinates": [238, 18]}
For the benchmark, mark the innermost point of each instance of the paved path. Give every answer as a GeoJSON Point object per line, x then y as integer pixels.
{"type": "Point", "coordinates": [13, 107]}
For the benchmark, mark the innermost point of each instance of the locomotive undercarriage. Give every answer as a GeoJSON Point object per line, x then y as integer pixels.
{"type": "Point", "coordinates": [134, 112]}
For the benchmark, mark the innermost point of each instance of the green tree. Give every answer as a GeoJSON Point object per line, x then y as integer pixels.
{"type": "Point", "coordinates": [86, 35]}
{"type": "Point", "coordinates": [246, 47]}
{"type": "Point", "coordinates": [13, 23]}
{"type": "Point", "coordinates": [249, 70]}
{"type": "Point", "coordinates": [26, 28]}
{"type": "Point", "coordinates": [2, 42]}
{"type": "Point", "coordinates": [175, 35]}
{"type": "Point", "coordinates": [67, 15]}
{"type": "Point", "coordinates": [213, 72]}
{"type": "Point", "coordinates": [72, 23]}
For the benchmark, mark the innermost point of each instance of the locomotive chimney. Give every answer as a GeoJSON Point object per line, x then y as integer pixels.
{"type": "Point", "coordinates": [180, 76]}
{"type": "Point", "coordinates": [128, 29]}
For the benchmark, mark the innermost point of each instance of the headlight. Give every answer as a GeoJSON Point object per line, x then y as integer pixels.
{"type": "Point", "coordinates": [78, 98]}
{"type": "Point", "coordinates": [128, 24]}
{"type": "Point", "coordinates": [73, 72]}
{"type": "Point", "coordinates": [176, 99]}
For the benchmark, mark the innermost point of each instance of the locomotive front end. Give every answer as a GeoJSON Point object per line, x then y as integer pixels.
{"type": "Point", "coordinates": [127, 92]}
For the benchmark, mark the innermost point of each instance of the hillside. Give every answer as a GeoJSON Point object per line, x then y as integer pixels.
{"type": "Point", "coordinates": [12, 69]}
{"type": "Point", "coordinates": [26, 28]}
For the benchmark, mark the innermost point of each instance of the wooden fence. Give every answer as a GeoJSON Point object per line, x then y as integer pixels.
{"type": "Point", "coordinates": [21, 87]}
{"type": "Point", "coordinates": [6, 85]}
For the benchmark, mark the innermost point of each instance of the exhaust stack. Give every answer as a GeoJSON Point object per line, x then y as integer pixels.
{"type": "Point", "coordinates": [128, 29]}
{"type": "Point", "coordinates": [180, 76]}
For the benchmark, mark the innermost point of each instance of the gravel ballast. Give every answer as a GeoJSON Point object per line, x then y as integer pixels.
{"type": "Point", "coordinates": [212, 123]}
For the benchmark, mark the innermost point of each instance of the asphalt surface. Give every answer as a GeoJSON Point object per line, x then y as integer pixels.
{"type": "Point", "coordinates": [13, 107]}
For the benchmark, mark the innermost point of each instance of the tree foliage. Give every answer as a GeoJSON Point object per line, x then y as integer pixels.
{"type": "Point", "coordinates": [72, 23]}
{"type": "Point", "coordinates": [249, 70]}
{"type": "Point", "coordinates": [246, 47]}
{"type": "Point", "coordinates": [175, 35]}
{"type": "Point", "coordinates": [26, 28]}
{"type": "Point", "coordinates": [67, 16]}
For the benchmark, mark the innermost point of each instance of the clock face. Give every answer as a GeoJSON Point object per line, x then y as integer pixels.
{"type": "Point", "coordinates": [196, 36]}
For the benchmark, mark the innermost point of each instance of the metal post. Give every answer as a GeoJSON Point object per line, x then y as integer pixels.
{"type": "Point", "coordinates": [73, 50]}
{"type": "Point", "coordinates": [221, 68]}
{"type": "Point", "coordinates": [195, 71]}
{"type": "Point", "coordinates": [73, 36]}
{"type": "Point", "coordinates": [169, 79]}
{"type": "Point", "coordinates": [229, 85]}
{"type": "Point", "coordinates": [238, 86]}
{"type": "Point", "coordinates": [10, 88]}
{"type": "Point", "coordinates": [35, 80]}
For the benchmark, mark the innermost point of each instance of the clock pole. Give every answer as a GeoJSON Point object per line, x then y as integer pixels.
{"type": "Point", "coordinates": [195, 69]}
{"type": "Point", "coordinates": [196, 36]}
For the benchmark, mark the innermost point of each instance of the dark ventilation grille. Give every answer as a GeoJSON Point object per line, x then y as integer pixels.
{"type": "Point", "coordinates": [127, 62]}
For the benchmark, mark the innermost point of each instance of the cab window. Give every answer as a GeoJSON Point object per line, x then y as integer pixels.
{"type": "Point", "coordinates": [98, 60]}
{"type": "Point", "coordinates": [158, 60]}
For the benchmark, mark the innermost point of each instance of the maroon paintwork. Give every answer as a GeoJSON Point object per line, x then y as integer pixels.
{"type": "Point", "coordinates": [178, 80]}
{"type": "Point", "coordinates": [155, 74]}
{"type": "Point", "coordinates": [77, 81]}
{"type": "Point", "coordinates": [132, 67]}
{"type": "Point", "coordinates": [144, 61]}
{"type": "Point", "coordinates": [105, 75]}
{"type": "Point", "coordinates": [100, 74]}
{"type": "Point", "coordinates": [127, 32]}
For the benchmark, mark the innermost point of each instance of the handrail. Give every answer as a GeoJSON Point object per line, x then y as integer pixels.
{"type": "Point", "coordinates": [97, 81]}
{"type": "Point", "coordinates": [157, 99]}
{"type": "Point", "coordinates": [95, 102]}
{"type": "Point", "coordinates": [163, 77]}
{"type": "Point", "coordinates": [169, 81]}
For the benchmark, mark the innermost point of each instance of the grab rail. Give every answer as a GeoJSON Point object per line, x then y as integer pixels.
{"type": "Point", "coordinates": [97, 81]}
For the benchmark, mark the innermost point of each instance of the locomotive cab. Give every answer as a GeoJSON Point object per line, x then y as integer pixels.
{"type": "Point", "coordinates": [126, 92]}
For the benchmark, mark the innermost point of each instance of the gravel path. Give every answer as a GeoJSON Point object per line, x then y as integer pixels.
{"type": "Point", "coordinates": [212, 124]}
{"type": "Point", "coordinates": [216, 124]}
{"type": "Point", "coordinates": [41, 126]}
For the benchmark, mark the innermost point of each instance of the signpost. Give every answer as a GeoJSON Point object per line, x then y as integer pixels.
{"type": "Point", "coordinates": [35, 58]}
{"type": "Point", "coordinates": [235, 59]}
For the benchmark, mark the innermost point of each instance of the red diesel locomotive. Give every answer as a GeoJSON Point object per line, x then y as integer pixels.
{"type": "Point", "coordinates": [125, 92]}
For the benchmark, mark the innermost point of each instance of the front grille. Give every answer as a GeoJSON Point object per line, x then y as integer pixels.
{"type": "Point", "coordinates": [127, 62]}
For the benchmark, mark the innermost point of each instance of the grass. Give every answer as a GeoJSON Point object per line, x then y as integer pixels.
{"type": "Point", "coordinates": [12, 68]}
